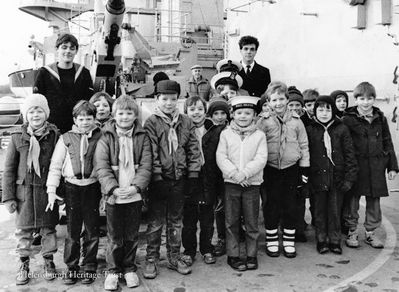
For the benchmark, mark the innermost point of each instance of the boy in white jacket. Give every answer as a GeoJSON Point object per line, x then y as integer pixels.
{"type": "Point", "coordinates": [241, 156]}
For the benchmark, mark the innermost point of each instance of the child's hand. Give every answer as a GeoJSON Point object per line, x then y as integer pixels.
{"type": "Point", "coordinates": [52, 197]}
{"type": "Point", "coordinates": [111, 200]}
{"type": "Point", "coordinates": [391, 174]}
{"type": "Point", "coordinates": [245, 184]}
{"type": "Point", "coordinates": [11, 206]}
{"type": "Point", "coordinates": [240, 177]}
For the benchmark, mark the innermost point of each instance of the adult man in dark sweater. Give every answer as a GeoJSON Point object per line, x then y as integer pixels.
{"type": "Point", "coordinates": [64, 83]}
{"type": "Point", "coordinates": [256, 77]}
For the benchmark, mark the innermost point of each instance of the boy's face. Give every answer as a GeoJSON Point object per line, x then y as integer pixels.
{"type": "Point", "coordinates": [196, 112]}
{"type": "Point", "coordinates": [66, 52]}
{"type": "Point", "coordinates": [278, 102]}
{"type": "Point", "coordinates": [196, 73]}
{"type": "Point", "coordinates": [248, 53]}
{"type": "Point", "coordinates": [365, 103]}
{"type": "Point", "coordinates": [103, 108]}
{"type": "Point", "coordinates": [36, 117]}
{"type": "Point", "coordinates": [244, 116]}
{"type": "Point", "coordinates": [295, 106]}
{"type": "Point", "coordinates": [324, 113]}
{"type": "Point", "coordinates": [341, 104]}
{"type": "Point", "coordinates": [167, 102]}
{"type": "Point", "coordinates": [125, 118]}
{"type": "Point", "coordinates": [309, 106]}
{"type": "Point", "coordinates": [226, 90]}
{"type": "Point", "coordinates": [219, 117]}
{"type": "Point", "coordinates": [84, 122]}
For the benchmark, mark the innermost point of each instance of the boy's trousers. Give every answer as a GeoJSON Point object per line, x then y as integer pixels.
{"type": "Point", "coordinates": [165, 206]}
{"type": "Point", "coordinates": [82, 203]}
{"type": "Point", "coordinates": [192, 214]}
{"type": "Point", "coordinates": [25, 239]}
{"type": "Point", "coordinates": [243, 199]}
{"type": "Point", "coordinates": [327, 210]}
{"type": "Point", "coordinates": [281, 188]}
{"type": "Point", "coordinates": [373, 213]}
{"type": "Point", "coordinates": [123, 223]}
{"type": "Point", "coordinates": [219, 212]}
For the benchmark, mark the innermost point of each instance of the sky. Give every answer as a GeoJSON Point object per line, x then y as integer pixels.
{"type": "Point", "coordinates": [16, 28]}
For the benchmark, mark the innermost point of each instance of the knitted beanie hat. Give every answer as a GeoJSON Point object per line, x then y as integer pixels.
{"type": "Point", "coordinates": [159, 76]}
{"type": "Point", "coordinates": [216, 104]}
{"type": "Point", "coordinates": [339, 93]}
{"type": "Point", "coordinates": [261, 102]}
{"type": "Point", "coordinates": [295, 95]}
{"type": "Point", "coordinates": [325, 99]}
{"type": "Point", "coordinates": [35, 100]}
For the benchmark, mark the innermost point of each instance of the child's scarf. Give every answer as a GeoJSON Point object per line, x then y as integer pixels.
{"type": "Point", "coordinates": [327, 139]}
{"type": "Point", "coordinates": [125, 153]}
{"type": "Point", "coordinates": [284, 128]}
{"type": "Point", "coordinates": [172, 135]}
{"type": "Point", "coordinates": [243, 131]}
{"type": "Point", "coordinates": [84, 140]}
{"type": "Point", "coordinates": [34, 147]}
{"type": "Point", "coordinates": [199, 133]}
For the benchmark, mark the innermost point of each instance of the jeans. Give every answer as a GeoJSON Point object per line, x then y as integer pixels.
{"type": "Point", "coordinates": [25, 238]}
{"type": "Point", "coordinates": [280, 188]}
{"type": "Point", "coordinates": [82, 204]}
{"type": "Point", "coordinates": [327, 209]}
{"type": "Point", "coordinates": [243, 199]}
{"type": "Point", "coordinates": [373, 213]}
{"type": "Point", "coordinates": [123, 223]}
{"type": "Point", "coordinates": [192, 214]}
{"type": "Point", "coordinates": [165, 205]}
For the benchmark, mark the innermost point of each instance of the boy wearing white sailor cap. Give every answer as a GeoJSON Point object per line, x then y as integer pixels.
{"type": "Point", "coordinates": [241, 156]}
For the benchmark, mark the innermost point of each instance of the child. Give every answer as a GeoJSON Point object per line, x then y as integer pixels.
{"type": "Point", "coordinates": [341, 101]}
{"type": "Point", "coordinates": [295, 101]}
{"type": "Point", "coordinates": [176, 157]}
{"type": "Point", "coordinates": [73, 160]}
{"type": "Point", "coordinates": [123, 163]}
{"type": "Point", "coordinates": [375, 155]}
{"type": "Point", "coordinates": [333, 171]}
{"type": "Point", "coordinates": [288, 159]}
{"type": "Point", "coordinates": [103, 103]}
{"type": "Point", "coordinates": [199, 205]}
{"type": "Point", "coordinates": [241, 156]}
{"type": "Point", "coordinates": [219, 112]}
{"type": "Point", "coordinates": [309, 97]}
{"type": "Point", "coordinates": [25, 173]}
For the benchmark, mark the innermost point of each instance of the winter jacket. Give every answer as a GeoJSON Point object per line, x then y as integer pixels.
{"type": "Point", "coordinates": [60, 103]}
{"type": "Point", "coordinates": [106, 158]}
{"type": "Point", "coordinates": [185, 161]}
{"type": "Point", "coordinates": [248, 155]}
{"type": "Point", "coordinates": [287, 141]}
{"type": "Point", "coordinates": [374, 152]}
{"type": "Point", "coordinates": [27, 188]}
{"type": "Point", "coordinates": [323, 174]}
{"type": "Point", "coordinates": [202, 88]}
{"type": "Point", "coordinates": [65, 161]}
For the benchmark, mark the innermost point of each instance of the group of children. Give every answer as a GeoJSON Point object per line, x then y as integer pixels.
{"type": "Point", "coordinates": [212, 162]}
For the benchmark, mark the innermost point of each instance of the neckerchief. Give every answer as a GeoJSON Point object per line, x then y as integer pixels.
{"type": "Point", "coordinates": [243, 131]}
{"type": "Point", "coordinates": [125, 153]}
{"type": "Point", "coordinates": [172, 135]}
{"type": "Point", "coordinates": [84, 140]}
{"type": "Point", "coordinates": [199, 133]}
{"type": "Point", "coordinates": [327, 139]}
{"type": "Point", "coordinates": [34, 147]}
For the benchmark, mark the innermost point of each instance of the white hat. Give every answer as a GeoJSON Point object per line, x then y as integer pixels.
{"type": "Point", "coordinates": [243, 101]}
{"type": "Point", "coordinates": [228, 65]}
{"type": "Point", "coordinates": [226, 78]}
{"type": "Point", "coordinates": [196, 67]}
{"type": "Point", "coordinates": [35, 100]}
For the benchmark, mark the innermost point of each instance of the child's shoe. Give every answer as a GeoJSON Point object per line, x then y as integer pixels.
{"type": "Point", "coordinates": [111, 282]}
{"type": "Point", "coordinates": [132, 280]}
{"type": "Point", "coordinates": [289, 243]}
{"type": "Point", "coordinates": [236, 263]}
{"type": "Point", "coordinates": [272, 244]}
{"type": "Point", "coordinates": [220, 248]}
{"type": "Point", "coordinates": [179, 266]}
{"type": "Point", "coordinates": [209, 259]}
{"type": "Point", "coordinates": [23, 272]}
{"type": "Point", "coordinates": [187, 259]}
{"type": "Point", "coordinates": [322, 247]}
{"type": "Point", "coordinates": [252, 263]}
{"type": "Point", "coordinates": [88, 277]}
{"type": "Point", "coordinates": [373, 240]}
{"type": "Point", "coordinates": [49, 269]}
{"type": "Point", "coordinates": [151, 269]}
{"type": "Point", "coordinates": [352, 239]}
{"type": "Point", "coordinates": [71, 277]}
{"type": "Point", "coordinates": [335, 248]}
